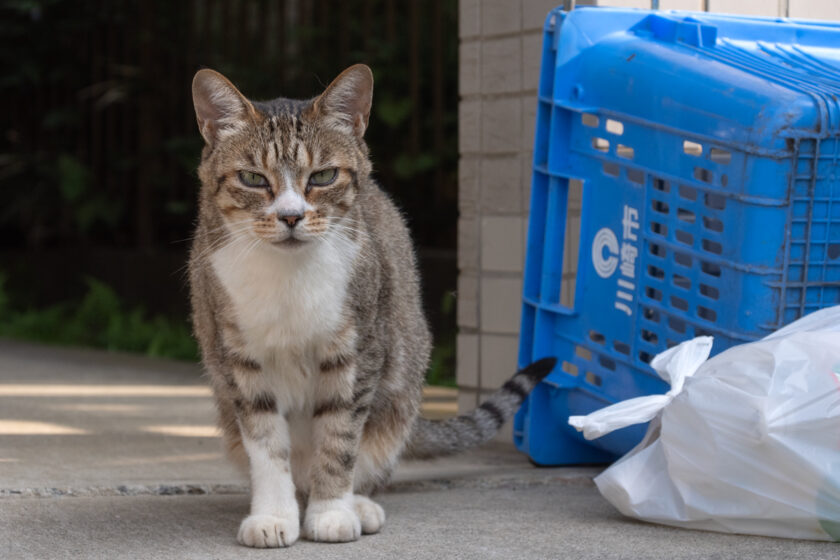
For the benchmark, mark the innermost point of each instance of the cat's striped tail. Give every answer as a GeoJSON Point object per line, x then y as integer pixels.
{"type": "Point", "coordinates": [436, 438]}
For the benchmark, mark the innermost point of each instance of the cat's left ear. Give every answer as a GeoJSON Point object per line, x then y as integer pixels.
{"type": "Point", "coordinates": [348, 98]}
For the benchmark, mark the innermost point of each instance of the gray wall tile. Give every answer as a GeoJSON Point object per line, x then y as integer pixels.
{"type": "Point", "coordinates": [500, 16]}
{"type": "Point", "coordinates": [501, 125]}
{"type": "Point", "coordinates": [531, 60]}
{"type": "Point", "coordinates": [498, 359]}
{"type": "Point", "coordinates": [501, 243]}
{"type": "Point", "coordinates": [467, 300]}
{"type": "Point", "coordinates": [468, 170]}
{"type": "Point", "coordinates": [535, 11]}
{"type": "Point", "coordinates": [501, 301]}
{"type": "Point", "coordinates": [467, 358]}
{"type": "Point", "coordinates": [501, 190]}
{"type": "Point", "coordinates": [469, 18]}
{"type": "Point", "coordinates": [469, 117]}
{"type": "Point", "coordinates": [501, 65]}
{"type": "Point", "coordinates": [468, 251]}
{"type": "Point", "coordinates": [469, 68]}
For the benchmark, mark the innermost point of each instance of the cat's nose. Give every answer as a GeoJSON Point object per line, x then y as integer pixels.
{"type": "Point", "coordinates": [291, 218]}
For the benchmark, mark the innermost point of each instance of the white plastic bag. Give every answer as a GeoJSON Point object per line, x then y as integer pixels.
{"type": "Point", "coordinates": [746, 442]}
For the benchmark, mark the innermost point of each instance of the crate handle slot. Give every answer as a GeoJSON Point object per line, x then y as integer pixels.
{"type": "Point", "coordinates": [561, 252]}
{"type": "Point", "coordinates": [674, 29]}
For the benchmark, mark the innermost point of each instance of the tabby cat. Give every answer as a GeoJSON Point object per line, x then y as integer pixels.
{"type": "Point", "coordinates": [306, 304]}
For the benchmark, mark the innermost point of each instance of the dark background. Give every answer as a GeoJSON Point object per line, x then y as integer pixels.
{"type": "Point", "coordinates": [99, 147]}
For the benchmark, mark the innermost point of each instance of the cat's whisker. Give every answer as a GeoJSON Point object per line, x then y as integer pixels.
{"type": "Point", "coordinates": [231, 226]}
{"type": "Point", "coordinates": [354, 226]}
{"type": "Point", "coordinates": [229, 236]}
{"type": "Point", "coordinates": [217, 244]}
{"type": "Point", "coordinates": [346, 246]}
{"type": "Point", "coordinates": [338, 228]}
{"type": "Point", "coordinates": [244, 253]}
{"type": "Point", "coordinates": [357, 233]}
{"type": "Point", "coordinates": [196, 235]}
{"type": "Point", "coordinates": [232, 229]}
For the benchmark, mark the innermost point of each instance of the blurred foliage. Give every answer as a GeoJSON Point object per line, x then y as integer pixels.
{"type": "Point", "coordinates": [99, 147]}
{"type": "Point", "coordinates": [101, 144]}
{"type": "Point", "coordinates": [99, 320]}
{"type": "Point", "coordinates": [442, 363]}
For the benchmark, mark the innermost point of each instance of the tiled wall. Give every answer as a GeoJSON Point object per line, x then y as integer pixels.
{"type": "Point", "coordinates": [499, 71]}
{"type": "Point", "coordinates": [500, 47]}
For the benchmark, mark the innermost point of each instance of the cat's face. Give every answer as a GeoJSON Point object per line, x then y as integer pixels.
{"type": "Point", "coordinates": [284, 172]}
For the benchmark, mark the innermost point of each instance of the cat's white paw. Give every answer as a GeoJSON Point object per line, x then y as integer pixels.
{"type": "Point", "coordinates": [370, 514]}
{"type": "Point", "coordinates": [336, 524]}
{"type": "Point", "coordinates": [268, 531]}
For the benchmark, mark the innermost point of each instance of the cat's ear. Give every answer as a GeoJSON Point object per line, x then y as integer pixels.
{"type": "Point", "coordinates": [219, 107]}
{"type": "Point", "coordinates": [348, 98]}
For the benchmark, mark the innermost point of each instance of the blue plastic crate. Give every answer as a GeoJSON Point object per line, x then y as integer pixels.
{"type": "Point", "coordinates": [702, 152]}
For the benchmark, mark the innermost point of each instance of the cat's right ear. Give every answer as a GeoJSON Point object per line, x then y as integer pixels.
{"type": "Point", "coordinates": [346, 101]}
{"type": "Point", "coordinates": [219, 107]}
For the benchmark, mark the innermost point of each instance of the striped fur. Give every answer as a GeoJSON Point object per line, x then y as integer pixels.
{"type": "Point", "coordinates": [306, 305]}
{"type": "Point", "coordinates": [431, 439]}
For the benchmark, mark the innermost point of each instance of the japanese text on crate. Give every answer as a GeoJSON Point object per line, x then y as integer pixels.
{"type": "Point", "coordinates": [629, 252]}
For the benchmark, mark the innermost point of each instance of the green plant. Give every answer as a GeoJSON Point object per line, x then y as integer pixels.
{"type": "Point", "coordinates": [442, 364]}
{"type": "Point", "coordinates": [99, 320]}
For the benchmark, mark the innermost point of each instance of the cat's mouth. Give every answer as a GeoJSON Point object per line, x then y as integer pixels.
{"type": "Point", "coordinates": [289, 242]}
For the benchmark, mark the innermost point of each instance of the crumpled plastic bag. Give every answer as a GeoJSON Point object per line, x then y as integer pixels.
{"type": "Point", "coordinates": [746, 442]}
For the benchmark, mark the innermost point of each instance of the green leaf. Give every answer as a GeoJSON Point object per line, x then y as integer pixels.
{"type": "Point", "coordinates": [393, 112]}
{"type": "Point", "coordinates": [178, 207]}
{"type": "Point", "coordinates": [447, 303]}
{"type": "Point", "coordinates": [407, 166]}
{"type": "Point", "coordinates": [73, 177]}
{"type": "Point", "coordinates": [4, 298]}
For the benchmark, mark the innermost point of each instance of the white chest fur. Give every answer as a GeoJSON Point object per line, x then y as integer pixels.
{"type": "Point", "coordinates": [285, 302]}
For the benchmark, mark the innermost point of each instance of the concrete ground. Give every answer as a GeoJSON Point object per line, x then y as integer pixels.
{"type": "Point", "coordinates": [111, 456]}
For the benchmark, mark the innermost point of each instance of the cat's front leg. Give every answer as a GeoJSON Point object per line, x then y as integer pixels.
{"type": "Point", "coordinates": [275, 519]}
{"type": "Point", "coordinates": [341, 407]}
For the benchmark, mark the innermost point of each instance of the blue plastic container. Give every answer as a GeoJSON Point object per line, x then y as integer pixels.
{"type": "Point", "coordinates": [702, 151]}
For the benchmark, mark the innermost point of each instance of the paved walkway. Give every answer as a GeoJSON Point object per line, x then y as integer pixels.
{"type": "Point", "coordinates": [110, 456]}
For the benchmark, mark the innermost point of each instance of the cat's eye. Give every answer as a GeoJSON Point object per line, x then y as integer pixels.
{"type": "Point", "coordinates": [324, 177]}
{"type": "Point", "coordinates": [250, 179]}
